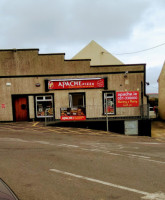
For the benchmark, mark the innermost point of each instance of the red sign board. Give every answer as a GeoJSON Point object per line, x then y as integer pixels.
{"type": "Point", "coordinates": [127, 99]}
{"type": "Point", "coordinates": [76, 84]}
{"type": "Point", "coordinates": [72, 118]}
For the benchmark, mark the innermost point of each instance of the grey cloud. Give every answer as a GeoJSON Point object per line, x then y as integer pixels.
{"type": "Point", "coordinates": [68, 25]}
{"type": "Point", "coordinates": [32, 23]}
{"type": "Point", "coordinates": [152, 77]}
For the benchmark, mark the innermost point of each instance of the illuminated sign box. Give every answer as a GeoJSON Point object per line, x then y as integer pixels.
{"type": "Point", "coordinates": [127, 99]}
{"type": "Point", "coordinates": [84, 83]}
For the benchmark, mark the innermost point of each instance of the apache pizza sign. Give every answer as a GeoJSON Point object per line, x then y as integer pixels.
{"type": "Point", "coordinates": [64, 84]}
{"type": "Point", "coordinates": [127, 99]}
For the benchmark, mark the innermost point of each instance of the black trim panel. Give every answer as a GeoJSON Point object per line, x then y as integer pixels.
{"type": "Point", "coordinates": [19, 49]}
{"type": "Point", "coordinates": [124, 65]}
{"type": "Point", "coordinates": [46, 86]}
{"type": "Point", "coordinates": [51, 54]}
{"type": "Point", "coordinates": [79, 60]}
{"type": "Point", "coordinates": [106, 83]}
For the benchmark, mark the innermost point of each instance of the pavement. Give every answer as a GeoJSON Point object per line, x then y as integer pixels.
{"type": "Point", "coordinates": [157, 129]}
{"type": "Point", "coordinates": [40, 126]}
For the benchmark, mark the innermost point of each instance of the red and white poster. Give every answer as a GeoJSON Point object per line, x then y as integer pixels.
{"type": "Point", "coordinates": [127, 99]}
{"type": "Point", "coordinates": [76, 84]}
{"type": "Point", "coordinates": [73, 118]}
{"type": "Point", "coordinates": [3, 105]}
{"type": "Point", "coordinates": [73, 114]}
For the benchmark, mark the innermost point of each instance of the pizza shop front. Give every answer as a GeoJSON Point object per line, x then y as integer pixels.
{"type": "Point", "coordinates": [80, 99]}
{"type": "Point", "coordinates": [71, 96]}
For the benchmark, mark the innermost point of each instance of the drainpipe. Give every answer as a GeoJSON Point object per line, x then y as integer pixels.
{"type": "Point", "coordinates": [142, 99]}
{"type": "Point", "coordinates": [107, 114]}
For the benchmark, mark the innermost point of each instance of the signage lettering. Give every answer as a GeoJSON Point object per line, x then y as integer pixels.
{"type": "Point", "coordinates": [73, 118]}
{"type": "Point", "coordinates": [76, 84]}
{"type": "Point", "coordinates": [127, 99]}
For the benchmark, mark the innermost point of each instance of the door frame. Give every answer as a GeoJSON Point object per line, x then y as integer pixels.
{"type": "Point", "coordinates": [13, 105]}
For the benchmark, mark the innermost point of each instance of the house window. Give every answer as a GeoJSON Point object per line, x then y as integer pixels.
{"type": "Point", "coordinates": [44, 106]}
{"type": "Point", "coordinates": [109, 103]}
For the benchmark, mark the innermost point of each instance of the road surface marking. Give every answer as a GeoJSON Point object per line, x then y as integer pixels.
{"type": "Point", "coordinates": [35, 124]}
{"type": "Point", "coordinates": [42, 142]}
{"type": "Point", "coordinates": [83, 149]}
{"type": "Point", "coordinates": [147, 143]}
{"type": "Point", "coordinates": [133, 155]}
{"type": "Point", "coordinates": [13, 140]}
{"type": "Point", "coordinates": [68, 145]}
{"type": "Point", "coordinates": [157, 161]}
{"type": "Point", "coordinates": [147, 195]}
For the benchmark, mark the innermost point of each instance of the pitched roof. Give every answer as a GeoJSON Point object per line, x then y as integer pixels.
{"type": "Point", "coordinates": [97, 54]}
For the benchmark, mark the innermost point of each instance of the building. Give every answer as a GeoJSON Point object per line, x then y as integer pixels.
{"type": "Point", "coordinates": [152, 99]}
{"type": "Point", "coordinates": [35, 86]}
{"type": "Point", "coordinates": [97, 54]}
{"type": "Point", "coordinates": [161, 96]}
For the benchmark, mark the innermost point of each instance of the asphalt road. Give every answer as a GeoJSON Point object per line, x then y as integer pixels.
{"type": "Point", "coordinates": [55, 163]}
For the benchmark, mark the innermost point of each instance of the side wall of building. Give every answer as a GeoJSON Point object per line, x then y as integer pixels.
{"type": "Point", "coordinates": [161, 98]}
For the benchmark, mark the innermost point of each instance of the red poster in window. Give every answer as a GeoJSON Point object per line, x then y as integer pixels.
{"type": "Point", "coordinates": [3, 105]}
{"type": "Point", "coordinates": [127, 99]}
{"type": "Point", "coordinates": [76, 84]}
{"type": "Point", "coordinates": [73, 114]}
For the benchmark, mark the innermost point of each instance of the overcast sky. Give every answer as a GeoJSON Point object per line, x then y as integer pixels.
{"type": "Point", "coordinates": [66, 26]}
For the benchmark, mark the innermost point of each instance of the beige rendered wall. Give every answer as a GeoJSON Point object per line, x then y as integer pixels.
{"type": "Point", "coordinates": [161, 97]}
{"type": "Point", "coordinates": [23, 63]}
{"type": "Point", "coordinates": [29, 62]}
{"type": "Point", "coordinates": [31, 107]}
{"type": "Point", "coordinates": [6, 100]}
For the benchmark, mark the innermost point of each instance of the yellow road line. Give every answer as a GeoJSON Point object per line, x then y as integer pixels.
{"type": "Point", "coordinates": [35, 124]}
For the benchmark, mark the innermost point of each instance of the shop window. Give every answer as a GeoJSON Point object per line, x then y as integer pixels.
{"type": "Point", "coordinates": [109, 103]}
{"type": "Point", "coordinates": [39, 98]}
{"type": "Point", "coordinates": [76, 104]}
{"type": "Point", "coordinates": [48, 97]}
{"type": "Point", "coordinates": [77, 100]}
{"type": "Point", "coordinates": [44, 106]}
